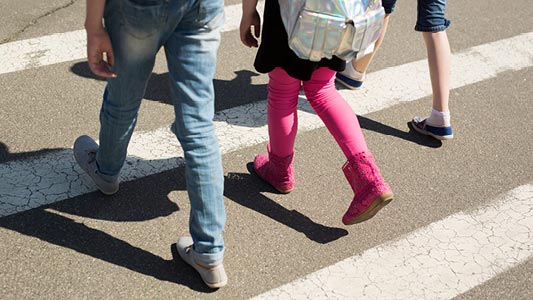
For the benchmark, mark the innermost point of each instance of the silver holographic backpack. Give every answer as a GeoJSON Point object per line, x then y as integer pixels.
{"type": "Point", "coordinates": [322, 28]}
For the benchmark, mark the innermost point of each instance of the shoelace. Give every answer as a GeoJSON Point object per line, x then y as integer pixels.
{"type": "Point", "coordinates": [92, 158]}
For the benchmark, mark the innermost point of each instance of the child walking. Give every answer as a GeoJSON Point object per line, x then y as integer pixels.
{"type": "Point", "coordinates": [287, 75]}
{"type": "Point", "coordinates": [432, 23]}
{"type": "Point", "coordinates": [129, 34]}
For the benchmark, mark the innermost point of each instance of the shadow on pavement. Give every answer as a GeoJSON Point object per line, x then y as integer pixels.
{"type": "Point", "coordinates": [6, 156]}
{"type": "Point", "coordinates": [411, 136]}
{"type": "Point", "coordinates": [240, 91]}
{"type": "Point", "coordinates": [135, 202]}
{"type": "Point", "coordinates": [228, 93]}
{"type": "Point", "coordinates": [138, 200]}
{"type": "Point", "coordinates": [253, 199]}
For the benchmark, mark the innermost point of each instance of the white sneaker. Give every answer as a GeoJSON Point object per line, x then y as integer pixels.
{"type": "Point", "coordinates": [214, 277]}
{"type": "Point", "coordinates": [85, 153]}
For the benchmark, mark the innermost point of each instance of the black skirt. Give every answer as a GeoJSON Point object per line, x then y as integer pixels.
{"type": "Point", "coordinates": [274, 49]}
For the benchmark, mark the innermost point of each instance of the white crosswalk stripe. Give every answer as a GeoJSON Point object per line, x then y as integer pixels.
{"type": "Point", "coordinates": [439, 261]}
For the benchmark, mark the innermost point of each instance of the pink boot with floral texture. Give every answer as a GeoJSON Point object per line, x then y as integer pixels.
{"type": "Point", "coordinates": [275, 170]}
{"type": "Point", "coordinates": [371, 191]}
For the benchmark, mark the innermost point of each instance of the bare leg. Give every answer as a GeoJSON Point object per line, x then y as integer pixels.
{"type": "Point", "coordinates": [439, 59]}
{"type": "Point", "coordinates": [362, 64]}
{"type": "Point", "coordinates": [437, 124]}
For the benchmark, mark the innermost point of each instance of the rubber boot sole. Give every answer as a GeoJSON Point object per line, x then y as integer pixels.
{"type": "Point", "coordinates": [380, 202]}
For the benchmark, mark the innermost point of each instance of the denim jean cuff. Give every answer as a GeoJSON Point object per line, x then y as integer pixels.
{"type": "Point", "coordinates": [209, 259]}
{"type": "Point", "coordinates": [434, 28]}
{"type": "Point", "coordinates": [107, 177]}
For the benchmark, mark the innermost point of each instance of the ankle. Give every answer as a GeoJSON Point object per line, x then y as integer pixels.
{"type": "Point", "coordinates": [353, 72]}
{"type": "Point", "coordinates": [439, 118]}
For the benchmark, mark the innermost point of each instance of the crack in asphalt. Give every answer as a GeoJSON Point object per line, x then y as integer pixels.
{"type": "Point", "coordinates": [34, 21]}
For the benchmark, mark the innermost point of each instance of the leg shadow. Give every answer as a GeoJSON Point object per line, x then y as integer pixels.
{"type": "Point", "coordinates": [228, 93]}
{"type": "Point", "coordinates": [244, 189]}
{"type": "Point", "coordinates": [7, 156]}
{"type": "Point", "coordinates": [135, 202]}
{"type": "Point", "coordinates": [369, 124]}
{"type": "Point", "coordinates": [411, 136]}
{"type": "Point", "coordinates": [138, 200]}
{"type": "Point", "coordinates": [65, 232]}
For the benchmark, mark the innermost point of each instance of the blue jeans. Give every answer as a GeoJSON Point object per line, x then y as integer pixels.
{"type": "Point", "coordinates": [189, 31]}
{"type": "Point", "coordinates": [430, 16]}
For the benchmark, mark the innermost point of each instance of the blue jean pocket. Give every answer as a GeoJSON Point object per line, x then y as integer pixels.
{"type": "Point", "coordinates": [210, 13]}
{"type": "Point", "coordinates": [142, 18]}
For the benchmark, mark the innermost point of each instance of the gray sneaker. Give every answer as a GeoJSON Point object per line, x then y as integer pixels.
{"type": "Point", "coordinates": [214, 277]}
{"type": "Point", "coordinates": [85, 153]}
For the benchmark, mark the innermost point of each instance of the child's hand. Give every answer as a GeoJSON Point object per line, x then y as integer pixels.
{"type": "Point", "coordinates": [98, 43]}
{"type": "Point", "coordinates": [247, 21]}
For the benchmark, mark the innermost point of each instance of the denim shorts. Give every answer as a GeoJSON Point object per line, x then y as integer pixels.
{"type": "Point", "coordinates": [430, 16]}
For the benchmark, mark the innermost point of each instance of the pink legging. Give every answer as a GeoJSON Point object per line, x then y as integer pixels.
{"type": "Point", "coordinates": [321, 93]}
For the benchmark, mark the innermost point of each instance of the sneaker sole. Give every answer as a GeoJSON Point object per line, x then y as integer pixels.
{"type": "Point", "coordinates": [107, 193]}
{"type": "Point", "coordinates": [345, 82]}
{"type": "Point", "coordinates": [373, 209]}
{"type": "Point", "coordinates": [217, 285]}
{"type": "Point", "coordinates": [425, 132]}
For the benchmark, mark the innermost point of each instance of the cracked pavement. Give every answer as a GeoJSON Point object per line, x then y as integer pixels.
{"type": "Point", "coordinates": [440, 261]}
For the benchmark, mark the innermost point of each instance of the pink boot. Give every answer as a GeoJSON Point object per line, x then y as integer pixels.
{"type": "Point", "coordinates": [372, 193]}
{"type": "Point", "coordinates": [275, 170]}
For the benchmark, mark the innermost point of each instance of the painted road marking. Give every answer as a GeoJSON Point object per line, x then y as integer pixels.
{"type": "Point", "coordinates": [69, 46]}
{"type": "Point", "coordinates": [440, 261]}
{"type": "Point", "coordinates": [53, 177]}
